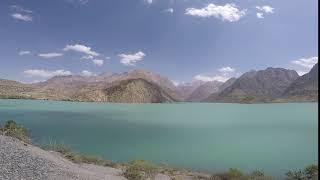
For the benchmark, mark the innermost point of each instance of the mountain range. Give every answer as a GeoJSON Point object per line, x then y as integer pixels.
{"type": "Point", "coordinates": [141, 86]}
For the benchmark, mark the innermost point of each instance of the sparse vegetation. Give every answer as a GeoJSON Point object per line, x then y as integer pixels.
{"type": "Point", "coordinates": [309, 173]}
{"type": "Point", "coordinates": [11, 128]}
{"type": "Point", "coordinates": [68, 153]}
{"type": "Point", "coordinates": [139, 170]}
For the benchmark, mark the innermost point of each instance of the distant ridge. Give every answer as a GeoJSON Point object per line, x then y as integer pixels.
{"type": "Point", "coordinates": [141, 86]}
{"type": "Point", "coordinates": [304, 88]}
{"type": "Point", "coordinates": [257, 86]}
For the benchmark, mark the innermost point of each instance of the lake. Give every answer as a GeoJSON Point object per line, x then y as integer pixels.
{"type": "Point", "coordinates": [198, 136]}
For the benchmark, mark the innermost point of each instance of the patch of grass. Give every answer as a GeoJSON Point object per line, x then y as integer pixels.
{"type": "Point", "coordinates": [139, 170]}
{"type": "Point", "coordinates": [11, 128]}
{"type": "Point", "coordinates": [67, 152]}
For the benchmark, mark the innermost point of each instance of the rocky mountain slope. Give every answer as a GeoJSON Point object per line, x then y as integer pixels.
{"type": "Point", "coordinates": [126, 91]}
{"type": "Point", "coordinates": [73, 85]}
{"type": "Point", "coordinates": [204, 90]}
{"type": "Point", "coordinates": [185, 89]}
{"type": "Point", "coordinates": [16, 90]}
{"type": "Point", "coordinates": [257, 86]}
{"type": "Point", "coordinates": [140, 86]}
{"type": "Point", "coordinates": [304, 88]}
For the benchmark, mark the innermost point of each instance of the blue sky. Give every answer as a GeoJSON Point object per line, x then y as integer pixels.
{"type": "Point", "coordinates": [181, 39]}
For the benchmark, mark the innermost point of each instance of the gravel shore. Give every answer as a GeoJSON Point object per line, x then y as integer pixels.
{"type": "Point", "coordinates": [20, 161]}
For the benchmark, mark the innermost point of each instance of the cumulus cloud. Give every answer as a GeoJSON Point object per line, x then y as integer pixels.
{"type": "Point", "coordinates": [87, 73]}
{"type": "Point", "coordinates": [228, 12]}
{"type": "Point", "coordinates": [175, 83]}
{"type": "Point", "coordinates": [266, 9]}
{"type": "Point", "coordinates": [22, 17]}
{"type": "Point", "coordinates": [307, 63]}
{"type": "Point", "coordinates": [87, 57]}
{"type": "Point", "coordinates": [300, 73]}
{"type": "Point", "coordinates": [81, 2]}
{"type": "Point", "coordinates": [50, 55]}
{"type": "Point", "coordinates": [224, 74]}
{"type": "Point", "coordinates": [148, 1]}
{"type": "Point", "coordinates": [260, 15]}
{"type": "Point", "coordinates": [21, 53]}
{"type": "Point", "coordinates": [98, 62]}
{"type": "Point", "coordinates": [131, 59]}
{"type": "Point", "coordinates": [206, 78]}
{"type": "Point", "coordinates": [82, 49]}
{"type": "Point", "coordinates": [41, 73]}
{"type": "Point", "coordinates": [169, 10]}
{"type": "Point", "coordinates": [20, 9]}
{"type": "Point", "coordinates": [227, 69]}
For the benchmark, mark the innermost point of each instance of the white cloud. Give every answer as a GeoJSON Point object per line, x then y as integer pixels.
{"type": "Point", "coordinates": [260, 15]}
{"type": "Point", "coordinates": [87, 73]}
{"type": "Point", "coordinates": [302, 72]}
{"type": "Point", "coordinates": [87, 57]}
{"type": "Point", "coordinates": [206, 78]}
{"type": "Point", "coordinates": [228, 12]}
{"type": "Point", "coordinates": [170, 10]}
{"type": "Point", "coordinates": [50, 55]}
{"type": "Point", "coordinates": [98, 62]}
{"type": "Point", "coordinates": [21, 53]}
{"type": "Point", "coordinates": [21, 17]}
{"type": "Point", "coordinates": [41, 73]}
{"type": "Point", "coordinates": [20, 9]}
{"type": "Point", "coordinates": [131, 59]}
{"type": "Point", "coordinates": [82, 49]}
{"type": "Point", "coordinates": [307, 63]}
{"type": "Point", "coordinates": [227, 69]}
{"type": "Point", "coordinates": [148, 1]}
{"type": "Point", "coordinates": [82, 2]}
{"type": "Point", "coordinates": [266, 9]}
{"type": "Point", "coordinates": [176, 83]}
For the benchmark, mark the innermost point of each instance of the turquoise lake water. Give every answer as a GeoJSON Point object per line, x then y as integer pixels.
{"type": "Point", "coordinates": [207, 137]}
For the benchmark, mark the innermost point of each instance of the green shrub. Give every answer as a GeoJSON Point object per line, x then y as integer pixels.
{"type": "Point", "coordinates": [139, 170]}
{"type": "Point", "coordinates": [257, 173]}
{"type": "Point", "coordinates": [295, 175]}
{"type": "Point", "coordinates": [234, 173]}
{"type": "Point", "coordinates": [11, 128]}
{"type": "Point", "coordinates": [309, 173]}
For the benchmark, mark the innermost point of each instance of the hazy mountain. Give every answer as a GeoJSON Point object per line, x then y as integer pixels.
{"type": "Point", "coordinates": [257, 86]}
{"type": "Point", "coordinates": [226, 84]}
{"type": "Point", "coordinates": [204, 90]}
{"type": "Point", "coordinates": [185, 89]}
{"type": "Point", "coordinates": [71, 85]}
{"type": "Point", "coordinates": [13, 89]}
{"type": "Point", "coordinates": [126, 91]}
{"type": "Point", "coordinates": [221, 88]}
{"type": "Point", "coordinates": [269, 85]}
{"type": "Point", "coordinates": [304, 88]}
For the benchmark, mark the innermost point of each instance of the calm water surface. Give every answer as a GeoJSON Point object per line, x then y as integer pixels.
{"type": "Point", "coordinates": [207, 137]}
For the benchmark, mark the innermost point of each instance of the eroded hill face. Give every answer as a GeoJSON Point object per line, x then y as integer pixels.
{"type": "Point", "coordinates": [257, 86]}
{"type": "Point", "coordinates": [137, 91]}
{"type": "Point", "coordinates": [304, 88]}
{"type": "Point", "coordinates": [72, 86]}
{"type": "Point", "coordinates": [269, 85]}
{"type": "Point", "coordinates": [126, 91]}
{"type": "Point", "coordinates": [204, 90]}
